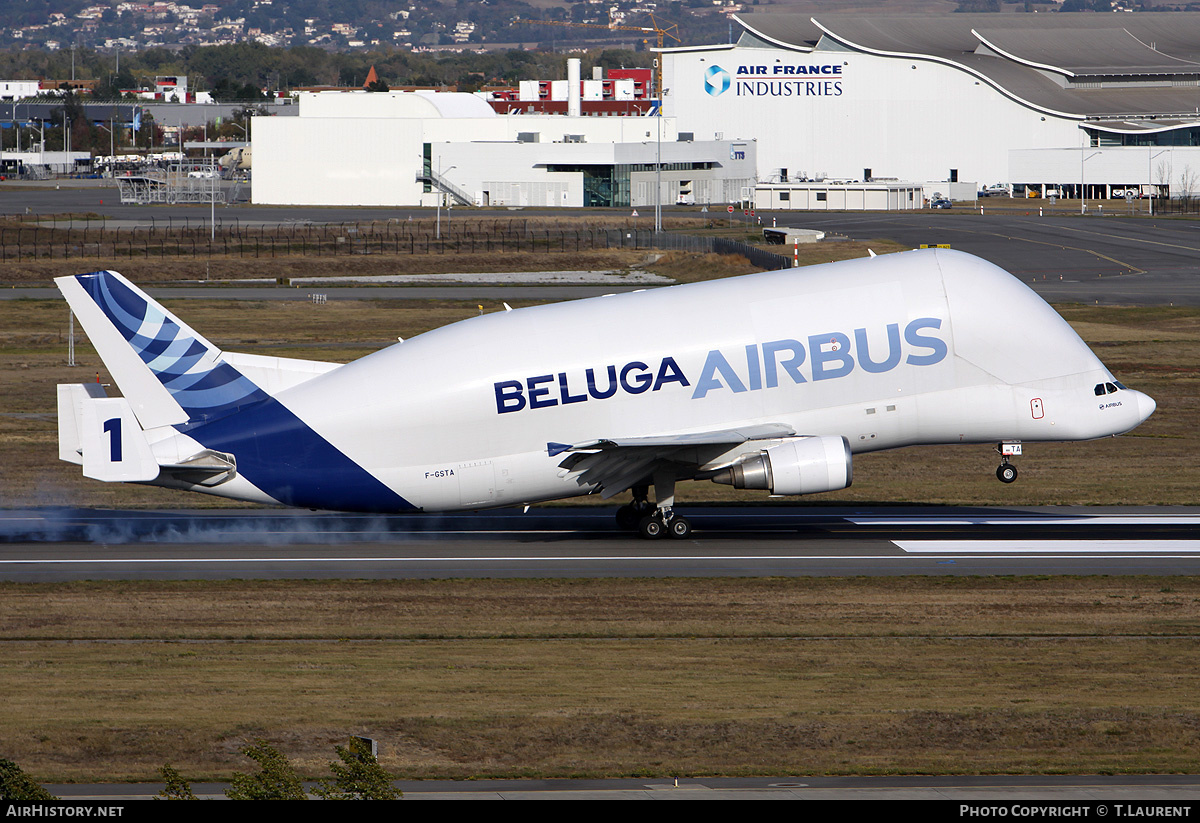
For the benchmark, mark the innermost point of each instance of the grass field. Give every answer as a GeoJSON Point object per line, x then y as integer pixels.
{"type": "Point", "coordinates": [610, 677]}
{"type": "Point", "coordinates": [605, 677]}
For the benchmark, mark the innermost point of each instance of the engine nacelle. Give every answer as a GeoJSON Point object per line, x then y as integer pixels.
{"type": "Point", "coordinates": [802, 466]}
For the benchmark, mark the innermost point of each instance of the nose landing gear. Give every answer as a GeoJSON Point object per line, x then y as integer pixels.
{"type": "Point", "coordinates": [1007, 472]}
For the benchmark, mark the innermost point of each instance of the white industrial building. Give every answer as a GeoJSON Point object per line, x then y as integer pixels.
{"type": "Point", "coordinates": [414, 148]}
{"type": "Point", "coordinates": [1043, 101]}
{"type": "Point", "coordinates": [19, 89]}
{"type": "Point", "coordinates": [1047, 103]}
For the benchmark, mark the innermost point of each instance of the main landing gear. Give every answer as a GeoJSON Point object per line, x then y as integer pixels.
{"type": "Point", "coordinates": [655, 520]}
{"type": "Point", "coordinates": [631, 514]}
{"type": "Point", "coordinates": [1007, 472]}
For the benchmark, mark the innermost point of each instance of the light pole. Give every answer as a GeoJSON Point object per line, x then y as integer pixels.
{"type": "Point", "coordinates": [1082, 190]}
{"type": "Point", "coordinates": [658, 172]}
{"type": "Point", "coordinates": [441, 194]}
{"type": "Point", "coordinates": [245, 131]}
{"type": "Point", "coordinates": [657, 155]}
{"type": "Point", "coordinates": [1150, 175]}
{"type": "Point", "coordinates": [108, 129]}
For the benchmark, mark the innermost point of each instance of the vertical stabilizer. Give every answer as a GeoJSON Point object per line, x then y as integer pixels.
{"type": "Point", "coordinates": [114, 446]}
{"type": "Point", "coordinates": [168, 372]}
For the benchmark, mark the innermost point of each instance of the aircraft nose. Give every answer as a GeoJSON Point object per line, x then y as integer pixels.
{"type": "Point", "coordinates": [1146, 406]}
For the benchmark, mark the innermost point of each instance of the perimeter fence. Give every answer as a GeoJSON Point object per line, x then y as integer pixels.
{"type": "Point", "coordinates": [66, 240]}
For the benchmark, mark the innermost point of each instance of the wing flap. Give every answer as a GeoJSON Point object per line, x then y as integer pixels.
{"type": "Point", "coordinates": [612, 465]}
{"type": "Point", "coordinates": [763, 431]}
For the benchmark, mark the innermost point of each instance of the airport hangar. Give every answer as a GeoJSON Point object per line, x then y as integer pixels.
{"type": "Point", "coordinates": [1045, 102]}
{"type": "Point", "coordinates": [1041, 101]}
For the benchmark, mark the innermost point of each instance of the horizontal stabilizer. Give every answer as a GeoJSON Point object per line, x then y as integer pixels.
{"type": "Point", "coordinates": [71, 399]}
{"type": "Point", "coordinates": [103, 435]}
{"type": "Point", "coordinates": [114, 446]}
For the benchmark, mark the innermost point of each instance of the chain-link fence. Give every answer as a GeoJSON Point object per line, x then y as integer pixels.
{"type": "Point", "coordinates": [196, 239]}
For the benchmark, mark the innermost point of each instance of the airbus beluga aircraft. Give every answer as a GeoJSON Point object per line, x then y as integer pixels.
{"type": "Point", "coordinates": [769, 381]}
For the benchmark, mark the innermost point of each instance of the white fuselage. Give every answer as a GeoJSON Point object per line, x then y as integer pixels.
{"type": "Point", "coordinates": [916, 348]}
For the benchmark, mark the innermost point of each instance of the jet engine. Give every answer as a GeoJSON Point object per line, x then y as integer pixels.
{"type": "Point", "coordinates": [802, 466]}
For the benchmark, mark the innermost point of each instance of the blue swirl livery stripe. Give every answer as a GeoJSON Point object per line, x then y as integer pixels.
{"type": "Point", "coordinates": [205, 386]}
{"type": "Point", "coordinates": [281, 455]}
{"type": "Point", "coordinates": [275, 450]}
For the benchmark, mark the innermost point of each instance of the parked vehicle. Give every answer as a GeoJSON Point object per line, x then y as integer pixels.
{"type": "Point", "coordinates": [941, 203]}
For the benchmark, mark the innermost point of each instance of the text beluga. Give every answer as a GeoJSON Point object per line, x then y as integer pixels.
{"type": "Point", "coordinates": [755, 367]}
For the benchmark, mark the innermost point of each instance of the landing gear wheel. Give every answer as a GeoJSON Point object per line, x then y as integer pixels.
{"type": "Point", "coordinates": [679, 528]}
{"type": "Point", "coordinates": [651, 527]}
{"type": "Point", "coordinates": [630, 515]}
{"type": "Point", "coordinates": [1007, 473]}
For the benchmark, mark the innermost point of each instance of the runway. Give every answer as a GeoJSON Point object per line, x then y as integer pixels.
{"type": "Point", "coordinates": [583, 541]}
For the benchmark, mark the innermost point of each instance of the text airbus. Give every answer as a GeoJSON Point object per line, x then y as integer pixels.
{"type": "Point", "coordinates": [757, 366]}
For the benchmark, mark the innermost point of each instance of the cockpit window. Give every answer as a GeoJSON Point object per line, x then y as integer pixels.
{"type": "Point", "coordinates": [1099, 389]}
{"type": "Point", "coordinates": [1120, 385]}
{"type": "Point", "coordinates": [1107, 388]}
{"type": "Point", "coordinates": [1111, 388]}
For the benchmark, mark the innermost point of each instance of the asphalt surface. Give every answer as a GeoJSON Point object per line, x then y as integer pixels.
{"type": "Point", "coordinates": [1112, 260]}
{"type": "Point", "coordinates": [1109, 257]}
{"type": "Point", "coordinates": [86, 544]}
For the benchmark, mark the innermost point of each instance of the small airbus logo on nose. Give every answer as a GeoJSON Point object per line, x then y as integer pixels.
{"type": "Point", "coordinates": [716, 80]}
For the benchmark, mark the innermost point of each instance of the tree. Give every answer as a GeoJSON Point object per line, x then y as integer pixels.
{"type": "Point", "coordinates": [358, 777]}
{"type": "Point", "coordinates": [177, 788]}
{"type": "Point", "coordinates": [1163, 173]}
{"type": "Point", "coordinates": [276, 779]}
{"type": "Point", "coordinates": [18, 787]}
{"type": "Point", "coordinates": [1187, 187]}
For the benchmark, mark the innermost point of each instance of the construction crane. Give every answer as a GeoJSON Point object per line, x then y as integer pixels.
{"type": "Point", "coordinates": [660, 33]}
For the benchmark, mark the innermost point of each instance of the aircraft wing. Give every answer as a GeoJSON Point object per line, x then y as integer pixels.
{"type": "Point", "coordinates": [616, 464]}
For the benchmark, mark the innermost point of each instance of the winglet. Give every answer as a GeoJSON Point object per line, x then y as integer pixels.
{"type": "Point", "coordinates": [555, 449]}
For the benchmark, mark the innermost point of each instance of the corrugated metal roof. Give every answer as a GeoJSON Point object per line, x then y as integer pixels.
{"type": "Point", "coordinates": [1018, 53]}
{"type": "Point", "coordinates": [1086, 51]}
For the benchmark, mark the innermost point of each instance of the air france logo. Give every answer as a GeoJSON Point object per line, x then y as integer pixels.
{"type": "Point", "coordinates": [786, 80]}
{"type": "Point", "coordinates": [716, 81]}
